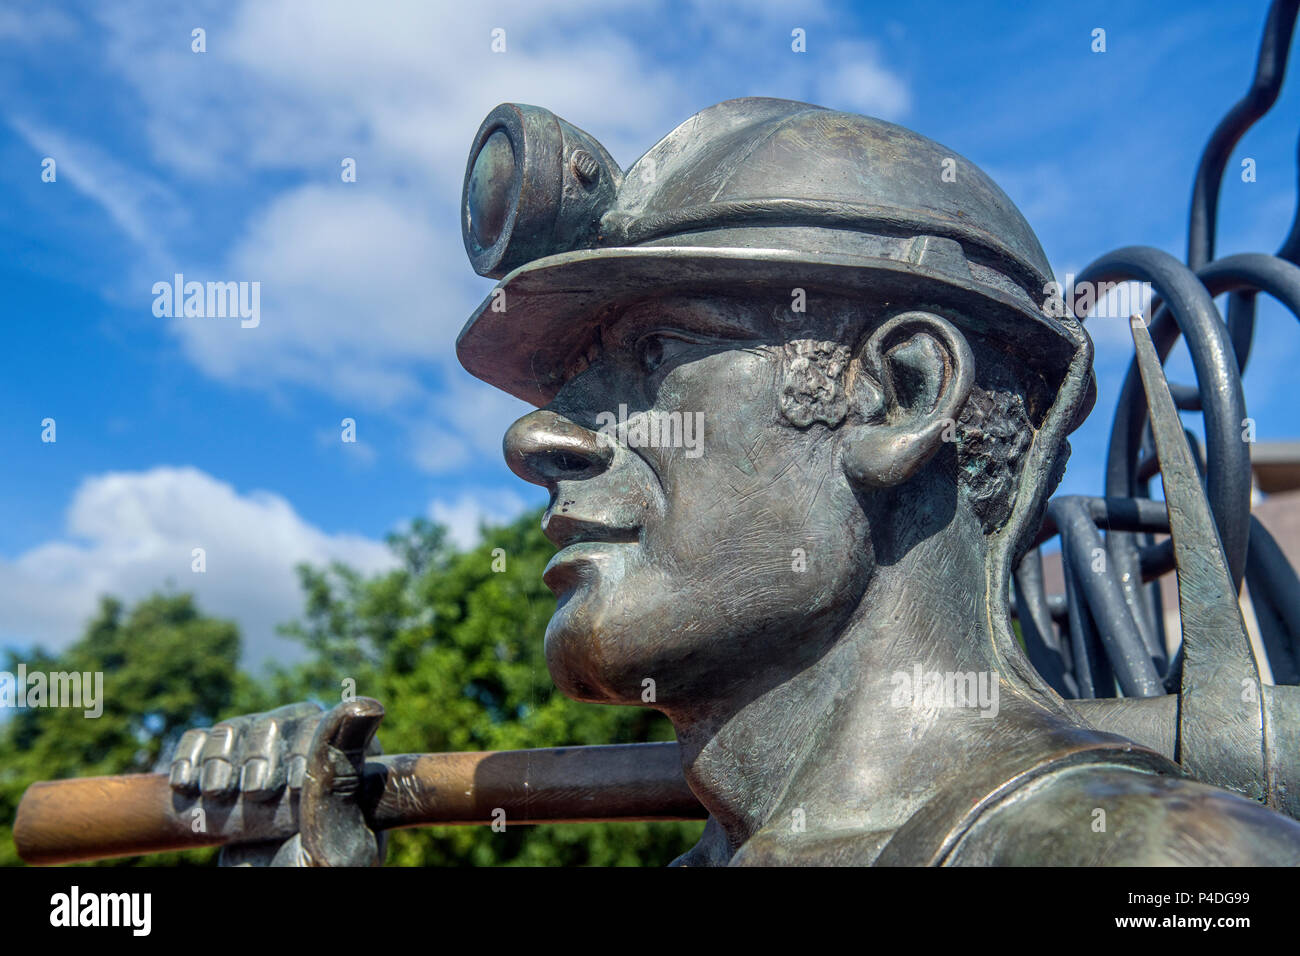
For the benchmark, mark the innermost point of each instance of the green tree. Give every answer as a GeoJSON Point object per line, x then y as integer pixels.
{"type": "Point", "coordinates": [165, 667]}
{"type": "Point", "coordinates": [451, 643]}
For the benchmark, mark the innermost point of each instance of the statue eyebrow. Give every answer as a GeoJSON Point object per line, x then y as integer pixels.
{"type": "Point", "coordinates": [730, 325]}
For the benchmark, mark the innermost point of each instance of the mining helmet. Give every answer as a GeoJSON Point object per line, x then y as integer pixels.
{"type": "Point", "coordinates": [746, 195]}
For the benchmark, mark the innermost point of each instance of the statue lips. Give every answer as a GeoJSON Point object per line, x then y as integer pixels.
{"type": "Point", "coordinates": [575, 565]}
{"type": "Point", "coordinates": [582, 544]}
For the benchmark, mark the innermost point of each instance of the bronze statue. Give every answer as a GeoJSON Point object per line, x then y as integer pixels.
{"type": "Point", "coordinates": [804, 383]}
{"type": "Point", "coordinates": [802, 398]}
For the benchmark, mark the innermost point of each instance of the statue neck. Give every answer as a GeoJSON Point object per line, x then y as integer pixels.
{"type": "Point", "coordinates": [851, 742]}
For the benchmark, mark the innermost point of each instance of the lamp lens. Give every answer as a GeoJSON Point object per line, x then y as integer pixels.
{"type": "Point", "coordinates": [489, 189]}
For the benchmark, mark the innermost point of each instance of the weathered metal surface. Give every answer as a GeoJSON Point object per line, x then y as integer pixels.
{"type": "Point", "coordinates": [884, 389]}
{"type": "Point", "coordinates": [712, 271]}
{"type": "Point", "coordinates": [1221, 708]}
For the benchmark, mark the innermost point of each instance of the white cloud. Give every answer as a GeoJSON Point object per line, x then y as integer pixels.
{"type": "Point", "coordinates": [351, 303]}
{"type": "Point", "coordinates": [141, 207]}
{"type": "Point", "coordinates": [128, 532]}
{"type": "Point", "coordinates": [365, 283]}
{"type": "Point", "coordinates": [437, 451]}
{"type": "Point", "coordinates": [857, 80]}
{"type": "Point", "coordinates": [472, 418]}
{"type": "Point", "coordinates": [465, 514]}
{"type": "Point", "coordinates": [359, 453]}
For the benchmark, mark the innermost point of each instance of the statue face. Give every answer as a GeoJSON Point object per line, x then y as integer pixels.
{"type": "Point", "coordinates": [703, 539]}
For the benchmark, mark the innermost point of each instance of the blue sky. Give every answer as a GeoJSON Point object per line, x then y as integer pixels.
{"type": "Point", "coordinates": [177, 433]}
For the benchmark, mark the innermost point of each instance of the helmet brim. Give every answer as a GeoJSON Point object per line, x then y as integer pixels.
{"type": "Point", "coordinates": [543, 316]}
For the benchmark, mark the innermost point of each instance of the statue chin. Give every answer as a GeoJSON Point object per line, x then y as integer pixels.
{"type": "Point", "coordinates": [587, 580]}
{"type": "Point", "coordinates": [622, 619]}
{"type": "Point", "coordinates": [578, 659]}
{"type": "Point", "coordinates": [607, 635]}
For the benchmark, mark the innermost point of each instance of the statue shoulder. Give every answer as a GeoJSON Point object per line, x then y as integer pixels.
{"type": "Point", "coordinates": [843, 847]}
{"type": "Point", "coordinates": [1114, 815]}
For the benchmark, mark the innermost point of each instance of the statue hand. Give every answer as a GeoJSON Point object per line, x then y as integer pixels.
{"type": "Point", "coordinates": [298, 749]}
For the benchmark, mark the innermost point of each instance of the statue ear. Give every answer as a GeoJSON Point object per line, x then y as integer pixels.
{"type": "Point", "coordinates": [925, 370]}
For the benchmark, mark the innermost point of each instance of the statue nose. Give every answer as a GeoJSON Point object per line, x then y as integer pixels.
{"type": "Point", "coordinates": [543, 447]}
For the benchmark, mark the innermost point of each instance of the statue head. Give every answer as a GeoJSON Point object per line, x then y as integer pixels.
{"type": "Point", "coordinates": [790, 358]}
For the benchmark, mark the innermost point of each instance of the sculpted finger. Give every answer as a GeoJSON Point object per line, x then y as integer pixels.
{"type": "Point", "coordinates": [298, 739]}
{"type": "Point", "coordinates": [262, 775]}
{"type": "Point", "coordinates": [187, 761]}
{"type": "Point", "coordinates": [219, 775]}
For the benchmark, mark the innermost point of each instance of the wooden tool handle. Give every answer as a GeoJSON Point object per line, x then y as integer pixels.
{"type": "Point", "coordinates": [64, 821]}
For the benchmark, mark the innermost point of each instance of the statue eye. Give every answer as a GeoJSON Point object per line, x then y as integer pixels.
{"type": "Point", "coordinates": [657, 350]}
{"type": "Point", "coordinates": [652, 351]}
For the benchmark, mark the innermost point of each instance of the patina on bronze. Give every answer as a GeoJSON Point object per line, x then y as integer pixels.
{"type": "Point", "coordinates": [802, 400]}
{"type": "Point", "coordinates": [886, 395]}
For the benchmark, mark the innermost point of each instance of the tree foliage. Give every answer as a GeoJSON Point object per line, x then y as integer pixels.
{"type": "Point", "coordinates": [166, 667]}
{"type": "Point", "coordinates": [450, 641]}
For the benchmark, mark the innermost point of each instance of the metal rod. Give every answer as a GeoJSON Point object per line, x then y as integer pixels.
{"type": "Point", "coordinates": [1270, 69]}
{"type": "Point", "coordinates": [64, 821]}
